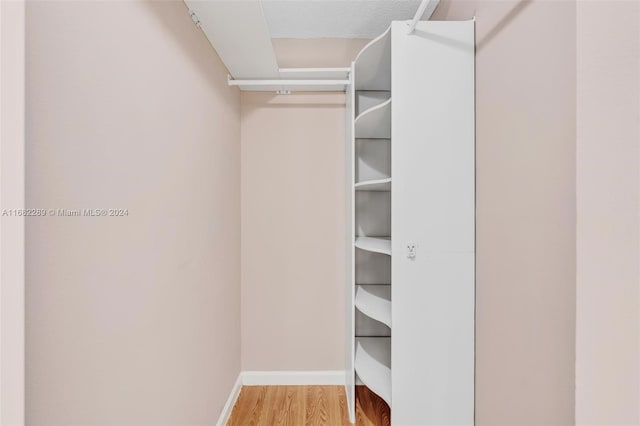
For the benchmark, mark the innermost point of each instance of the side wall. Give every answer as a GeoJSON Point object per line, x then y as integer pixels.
{"type": "Point", "coordinates": [131, 320]}
{"type": "Point", "coordinates": [12, 143]}
{"type": "Point", "coordinates": [608, 215]}
{"type": "Point", "coordinates": [525, 189]}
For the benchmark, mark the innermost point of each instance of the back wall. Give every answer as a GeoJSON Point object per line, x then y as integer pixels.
{"type": "Point", "coordinates": [293, 227]}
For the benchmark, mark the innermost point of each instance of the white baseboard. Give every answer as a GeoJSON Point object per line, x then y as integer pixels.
{"type": "Point", "coordinates": [275, 378]}
{"type": "Point", "coordinates": [278, 378]}
{"type": "Point", "coordinates": [231, 401]}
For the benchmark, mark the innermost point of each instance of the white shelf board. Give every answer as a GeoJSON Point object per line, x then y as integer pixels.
{"type": "Point", "coordinates": [376, 245]}
{"type": "Point", "coordinates": [314, 73]}
{"type": "Point", "coordinates": [373, 365]}
{"type": "Point", "coordinates": [366, 99]}
{"type": "Point", "coordinates": [290, 85]}
{"type": "Point", "coordinates": [373, 64]}
{"type": "Point", "coordinates": [374, 185]}
{"type": "Point", "coordinates": [375, 302]}
{"type": "Point", "coordinates": [374, 123]}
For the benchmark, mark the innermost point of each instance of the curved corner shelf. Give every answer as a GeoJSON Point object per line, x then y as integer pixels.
{"type": "Point", "coordinates": [374, 185]}
{"type": "Point", "coordinates": [373, 64]}
{"type": "Point", "coordinates": [367, 99]}
{"type": "Point", "coordinates": [376, 245]}
{"type": "Point", "coordinates": [375, 302]}
{"type": "Point", "coordinates": [374, 123]}
{"type": "Point", "coordinates": [373, 364]}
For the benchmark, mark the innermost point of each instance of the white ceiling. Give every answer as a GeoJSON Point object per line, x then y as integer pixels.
{"type": "Point", "coordinates": [334, 18]}
{"type": "Point", "coordinates": [241, 31]}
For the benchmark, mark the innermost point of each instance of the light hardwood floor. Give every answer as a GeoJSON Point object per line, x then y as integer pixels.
{"type": "Point", "coordinates": [306, 405]}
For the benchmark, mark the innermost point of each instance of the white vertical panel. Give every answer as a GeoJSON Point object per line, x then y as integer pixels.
{"type": "Point", "coordinates": [433, 207]}
{"type": "Point", "coordinates": [350, 251]}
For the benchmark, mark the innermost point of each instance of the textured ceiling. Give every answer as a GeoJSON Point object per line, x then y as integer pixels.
{"type": "Point", "coordinates": [334, 18]}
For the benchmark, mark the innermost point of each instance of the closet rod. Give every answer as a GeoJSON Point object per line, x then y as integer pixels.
{"type": "Point", "coordinates": [288, 82]}
{"type": "Point", "coordinates": [326, 71]}
{"type": "Point", "coordinates": [431, 4]}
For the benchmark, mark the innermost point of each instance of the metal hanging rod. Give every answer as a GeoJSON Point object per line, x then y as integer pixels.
{"type": "Point", "coordinates": [315, 71]}
{"type": "Point", "coordinates": [324, 79]}
{"type": "Point", "coordinates": [288, 82]}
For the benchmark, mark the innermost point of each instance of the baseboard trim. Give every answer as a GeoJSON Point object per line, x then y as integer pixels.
{"type": "Point", "coordinates": [275, 378]}
{"type": "Point", "coordinates": [231, 401]}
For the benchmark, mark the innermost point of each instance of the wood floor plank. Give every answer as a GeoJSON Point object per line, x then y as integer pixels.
{"type": "Point", "coordinates": [306, 405]}
{"type": "Point", "coordinates": [371, 410]}
{"type": "Point", "coordinates": [338, 411]}
{"type": "Point", "coordinates": [251, 404]}
{"type": "Point", "coordinates": [291, 412]}
{"type": "Point", "coordinates": [273, 407]}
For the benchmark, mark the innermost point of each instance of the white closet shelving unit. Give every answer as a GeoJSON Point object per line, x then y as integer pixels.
{"type": "Point", "coordinates": [411, 228]}
{"type": "Point", "coordinates": [370, 189]}
{"type": "Point", "coordinates": [375, 302]}
{"type": "Point", "coordinates": [374, 185]}
{"type": "Point", "coordinates": [375, 122]}
{"type": "Point", "coordinates": [374, 245]}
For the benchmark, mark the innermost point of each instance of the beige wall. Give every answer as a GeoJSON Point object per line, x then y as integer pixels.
{"type": "Point", "coordinates": [292, 218]}
{"type": "Point", "coordinates": [292, 230]}
{"type": "Point", "coordinates": [130, 320]}
{"type": "Point", "coordinates": [321, 52]}
{"type": "Point", "coordinates": [12, 146]}
{"type": "Point", "coordinates": [525, 111]}
{"type": "Point", "coordinates": [608, 215]}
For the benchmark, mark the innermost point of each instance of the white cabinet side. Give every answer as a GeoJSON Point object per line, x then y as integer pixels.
{"type": "Point", "coordinates": [433, 224]}
{"type": "Point", "coordinates": [349, 250]}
